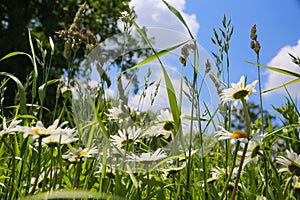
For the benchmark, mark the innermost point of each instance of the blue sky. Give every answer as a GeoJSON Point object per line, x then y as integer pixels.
{"type": "Point", "coordinates": [277, 27]}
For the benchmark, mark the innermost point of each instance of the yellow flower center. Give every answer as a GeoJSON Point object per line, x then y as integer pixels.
{"type": "Point", "coordinates": [168, 126]}
{"type": "Point", "coordinates": [239, 134]}
{"type": "Point", "coordinates": [127, 142]}
{"type": "Point", "coordinates": [35, 131]}
{"type": "Point", "coordinates": [240, 94]}
{"type": "Point", "coordinates": [80, 153]}
{"type": "Point", "coordinates": [294, 169]}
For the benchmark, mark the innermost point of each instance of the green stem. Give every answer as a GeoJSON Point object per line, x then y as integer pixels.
{"type": "Point", "coordinates": [12, 180]}
{"type": "Point", "coordinates": [231, 171]}
{"type": "Point", "coordinates": [78, 172]}
{"type": "Point", "coordinates": [262, 122]}
{"type": "Point", "coordinates": [38, 168]}
{"type": "Point", "coordinates": [248, 130]}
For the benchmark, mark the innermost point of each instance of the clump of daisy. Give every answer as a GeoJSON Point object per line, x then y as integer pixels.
{"type": "Point", "coordinates": [238, 91]}
{"type": "Point", "coordinates": [291, 162]}
{"type": "Point", "coordinates": [11, 129]}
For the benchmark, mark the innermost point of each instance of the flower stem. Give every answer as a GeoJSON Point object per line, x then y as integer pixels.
{"type": "Point", "coordinates": [37, 172]}
{"type": "Point", "coordinates": [12, 180]}
{"type": "Point", "coordinates": [231, 171]}
{"type": "Point", "coordinates": [248, 130]}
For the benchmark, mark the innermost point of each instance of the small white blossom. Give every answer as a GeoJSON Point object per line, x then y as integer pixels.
{"type": "Point", "coordinates": [238, 91]}
{"type": "Point", "coordinates": [11, 129]}
{"type": "Point", "coordinates": [126, 137]}
{"type": "Point", "coordinates": [223, 134]}
{"type": "Point", "coordinates": [159, 154]}
{"type": "Point", "coordinates": [291, 162]}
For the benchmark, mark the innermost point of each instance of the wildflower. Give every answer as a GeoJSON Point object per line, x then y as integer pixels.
{"type": "Point", "coordinates": [291, 161]}
{"type": "Point", "coordinates": [77, 154]}
{"type": "Point", "coordinates": [110, 170]}
{"type": "Point", "coordinates": [183, 156]}
{"type": "Point", "coordinates": [235, 135]}
{"type": "Point", "coordinates": [65, 138]}
{"type": "Point", "coordinates": [218, 172]}
{"type": "Point", "coordinates": [125, 137]}
{"type": "Point", "coordinates": [165, 125]}
{"type": "Point", "coordinates": [11, 129]}
{"type": "Point", "coordinates": [39, 131]}
{"type": "Point", "coordinates": [122, 113]}
{"type": "Point", "coordinates": [173, 170]}
{"type": "Point", "coordinates": [252, 153]}
{"type": "Point", "coordinates": [238, 91]}
{"type": "Point", "coordinates": [148, 157]}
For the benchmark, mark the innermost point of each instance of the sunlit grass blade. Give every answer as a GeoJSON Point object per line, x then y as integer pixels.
{"type": "Point", "coordinates": [35, 70]}
{"type": "Point", "coordinates": [42, 88]}
{"type": "Point", "coordinates": [170, 89]}
{"type": "Point", "coordinates": [21, 91]}
{"type": "Point", "coordinates": [179, 16]}
{"type": "Point", "coordinates": [14, 54]}
{"type": "Point", "coordinates": [283, 85]}
{"type": "Point", "coordinates": [279, 70]}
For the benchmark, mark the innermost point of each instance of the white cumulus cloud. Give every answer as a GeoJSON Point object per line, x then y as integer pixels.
{"type": "Point", "coordinates": [154, 13]}
{"type": "Point", "coordinates": [283, 60]}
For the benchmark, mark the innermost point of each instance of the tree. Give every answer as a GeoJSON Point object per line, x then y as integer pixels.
{"type": "Point", "coordinates": [44, 18]}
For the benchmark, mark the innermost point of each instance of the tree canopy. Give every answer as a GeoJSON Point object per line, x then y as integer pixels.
{"type": "Point", "coordinates": [43, 18]}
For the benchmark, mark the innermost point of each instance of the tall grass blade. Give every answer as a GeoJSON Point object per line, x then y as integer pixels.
{"type": "Point", "coordinates": [21, 90]}
{"type": "Point", "coordinates": [179, 16]}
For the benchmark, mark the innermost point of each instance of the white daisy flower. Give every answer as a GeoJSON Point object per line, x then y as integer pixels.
{"type": "Point", "coordinates": [76, 154]}
{"type": "Point", "coordinates": [159, 154]}
{"type": "Point", "coordinates": [59, 139]}
{"type": "Point", "coordinates": [11, 129]}
{"type": "Point", "coordinates": [39, 130]}
{"type": "Point", "coordinates": [110, 170]}
{"type": "Point", "coordinates": [238, 91]}
{"type": "Point", "coordinates": [117, 113]}
{"type": "Point", "coordinates": [291, 162]}
{"type": "Point", "coordinates": [218, 172]}
{"type": "Point", "coordinates": [172, 170]}
{"type": "Point", "coordinates": [126, 137]}
{"type": "Point", "coordinates": [223, 134]}
{"type": "Point", "coordinates": [252, 153]}
{"type": "Point", "coordinates": [122, 113]}
{"type": "Point", "coordinates": [165, 126]}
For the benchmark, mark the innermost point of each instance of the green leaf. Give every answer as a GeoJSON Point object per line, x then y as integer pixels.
{"type": "Point", "coordinates": [35, 70]}
{"type": "Point", "coordinates": [279, 70]}
{"type": "Point", "coordinates": [179, 16]}
{"type": "Point", "coordinates": [42, 88]}
{"type": "Point", "coordinates": [283, 85]}
{"type": "Point", "coordinates": [21, 91]}
{"type": "Point", "coordinates": [14, 54]}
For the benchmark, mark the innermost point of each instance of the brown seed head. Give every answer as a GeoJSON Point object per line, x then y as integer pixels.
{"type": "Point", "coordinates": [253, 34]}
{"type": "Point", "coordinates": [257, 47]}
